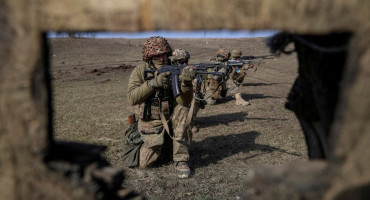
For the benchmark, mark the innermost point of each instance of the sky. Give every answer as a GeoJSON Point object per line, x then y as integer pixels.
{"type": "Point", "coordinates": [176, 34]}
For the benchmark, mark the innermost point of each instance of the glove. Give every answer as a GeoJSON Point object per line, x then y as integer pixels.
{"type": "Point", "coordinates": [187, 76]}
{"type": "Point", "coordinates": [160, 80]}
{"type": "Point", "coordinates": [247, 66]}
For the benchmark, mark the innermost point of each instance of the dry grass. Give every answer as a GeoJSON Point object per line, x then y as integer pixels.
{"type": "Point", "coordinates": [91, 107]}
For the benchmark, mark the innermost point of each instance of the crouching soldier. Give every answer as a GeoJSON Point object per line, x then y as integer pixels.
{"type": "Point", "coordinates": [218, 88]}
{"type": "Point", "coordinates": [236, 78]}
{"type": "Point", "coordinates": [181, 57]}
{"type": "Point", "coordinates": [160, 112]}
{"type": "Point", "coordinates": [216, 85]}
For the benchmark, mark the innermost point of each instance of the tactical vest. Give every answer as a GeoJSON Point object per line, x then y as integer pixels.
{"type": "Point", "coordinates": [161, 99]}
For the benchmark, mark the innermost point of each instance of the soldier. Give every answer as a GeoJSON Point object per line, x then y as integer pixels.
{"type": "Point", "coordinates": [159, 112]}
{"type": "Point", "coordinates": [181, 57]}
{"type": "Point", "coordinates": [236, 78]}
{"type": "Point", "coordinates": [216, 86]}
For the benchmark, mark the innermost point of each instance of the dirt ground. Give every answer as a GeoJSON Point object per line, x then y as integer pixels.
{"type": "Point", "coordinates": [90, 78]}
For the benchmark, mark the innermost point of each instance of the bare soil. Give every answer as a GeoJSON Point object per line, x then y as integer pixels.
{"type": "Point", "coordinates": [90, 78]}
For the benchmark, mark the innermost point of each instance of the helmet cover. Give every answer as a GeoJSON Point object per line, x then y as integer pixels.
{"type": "Point", "coordinates": [223, 52]}
{"type": "Point", "coordinates": [236, 53]}
{"type": "Point", "coordinates": [179, 54]}
{"type": "Point", "coordinates": [155, 46]}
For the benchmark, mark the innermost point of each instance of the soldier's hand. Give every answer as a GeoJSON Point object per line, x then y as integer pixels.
{"type": "Point", "coordinates": [247, 66]}
{"type": "Point", "coordinates": [160, 80]}
{"type": "Point", "coordinates": [187, 76]}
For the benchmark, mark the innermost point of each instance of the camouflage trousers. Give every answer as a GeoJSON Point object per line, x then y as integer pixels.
{"type": "Point", "coordinates": [234, 81]}
{"type": "Point", "coordinates": [197, 106]}
{"type": "Point", "coordinates": [216, 88]}
{"type": "Point", "coordinates": [232, 87]}
{"type": "Point", "coordinates": [153, 134]}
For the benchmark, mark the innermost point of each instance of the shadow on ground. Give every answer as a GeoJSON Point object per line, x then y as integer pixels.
{"type": "Point", "coordinates": [225, 118]}
{"type": "Point", "coordinates": [213, 149]}
{"type": "Point", "coordinates": [247, 97]}
{"type": "Point", "coordinates": [216, 148]}
{"type": "Point", "coordinates": [258, 84]}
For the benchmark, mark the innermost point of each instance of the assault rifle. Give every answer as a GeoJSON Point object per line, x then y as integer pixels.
{"type": "Point", "coordinates": [231, 64]}
{"type": "Point", "coordinates": [175, 71]}
{"type": "Point", "coordinates": [241, 62]}
{"type": "Point", "coordinates": [228, 65]}
{"type": "Point", "coordinates": [207, 65]}
{"type": "Point", "coordinates": [258, 57]}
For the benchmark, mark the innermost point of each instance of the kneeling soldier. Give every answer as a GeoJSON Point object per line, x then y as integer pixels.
{"type": "Point", "coordinates": [160, 112]}
{"type": "Point", "coordinates": [236, 78]}
{"type": "Point", "coordinates": [181, 57]}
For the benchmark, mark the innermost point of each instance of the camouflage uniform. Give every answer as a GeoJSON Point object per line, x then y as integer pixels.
{"type": "Point", "coordinates": [236, 78]}
{"type": "Point", "coordinates": [156, 101]}
{"type": "Point", "coordinates": [233, 79]}
{"type": "Point", "coordinates": [215, 86]}
{"type": "Point", "coordinates": [180, 57]}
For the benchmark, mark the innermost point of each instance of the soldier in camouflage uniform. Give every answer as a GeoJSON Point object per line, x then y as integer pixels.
{"type": "Point", "coordinates": [181, 57]}
{"type": "Point", "coordinates": [159, 112]}
{"type": "Point", "coordinates": [235, 78]}
{"type": "Point", "coordinates": [215, 85]}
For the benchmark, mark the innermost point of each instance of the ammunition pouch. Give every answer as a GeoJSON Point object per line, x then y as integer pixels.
{"type": "Point", "coordinates": [150, 110]}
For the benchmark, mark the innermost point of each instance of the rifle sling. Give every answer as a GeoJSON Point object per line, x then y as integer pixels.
{"type": "Point", "coordinates": [190, 113]}
{"type": "Point", "coordinates": [165, 122]}
{"type": "Point", "coordinates": [163, 118]}
{"type": "Point", "coordinates": [214, 91]}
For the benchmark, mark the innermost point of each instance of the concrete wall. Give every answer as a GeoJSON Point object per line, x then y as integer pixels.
{"type": "Point", "coordinates": [25, 136]}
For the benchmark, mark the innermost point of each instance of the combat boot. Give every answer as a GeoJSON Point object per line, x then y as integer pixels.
{"type": "Point", "coordinates": [182, 169]}
{"type": "Point", "coordinates": [240, 100]}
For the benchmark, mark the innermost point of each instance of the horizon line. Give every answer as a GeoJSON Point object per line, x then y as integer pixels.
{"type": "Point", "coordinates": [201, 34]}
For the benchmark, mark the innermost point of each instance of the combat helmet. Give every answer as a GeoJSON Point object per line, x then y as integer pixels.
{"type": "Point", "coordinates": [223, 54]}
{"type": "Point", "coordinates": [155, 46]}
{"type": "Point", "coordinates": [236, 53]}
{"type": "Point", "coordinates": [179, 54]}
